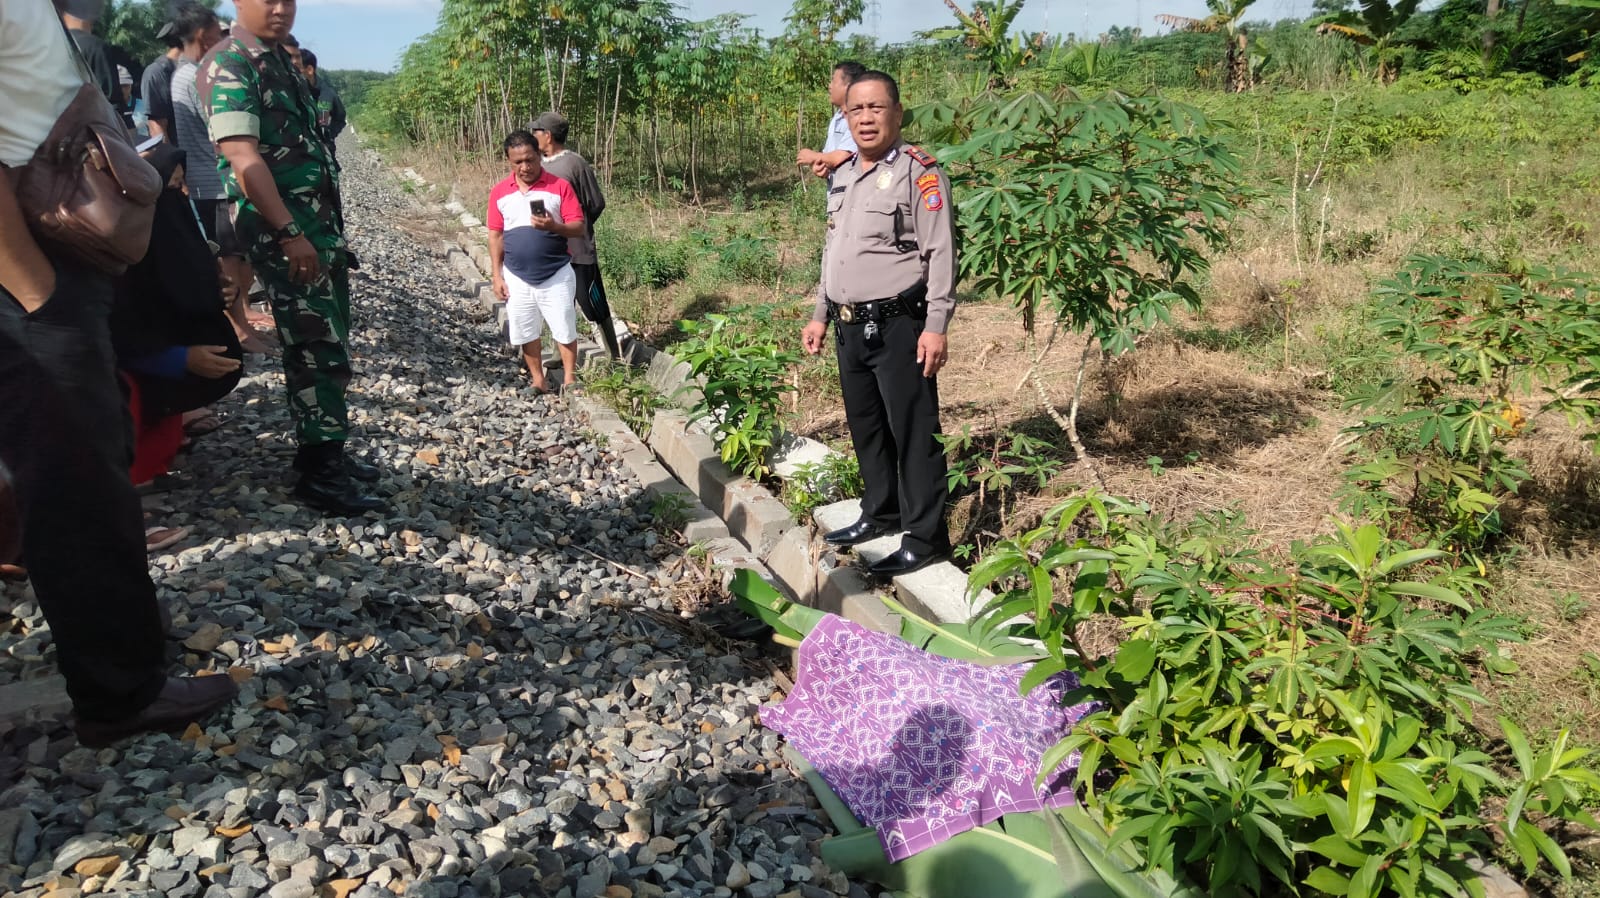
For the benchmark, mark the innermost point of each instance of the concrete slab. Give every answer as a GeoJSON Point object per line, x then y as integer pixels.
{"type": "Point", "coordinates": [729, 555]}
{"type": "Point", "coordinates": [469, 222]}
{"type": "Point", "coordinates": [668, 375]}
{"type": "Point", "coordinates": [837, 515]}
{"type": "Point", "coordinates": [796, 566]}
{"type": "Point", "coordinates": [479, 254]}
{"type": "Point", "coordinates": [692, 457]}
{"type": "Point", "coordinates": [938, 591]}
{"type": "Point", "coordinates": [754, 515]}
{"type": "Point", "coordinates": [700, 524]}
{"type": "Point", "coordinates": [790, 452]}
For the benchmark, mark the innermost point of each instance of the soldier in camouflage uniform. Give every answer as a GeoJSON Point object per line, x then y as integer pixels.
{"type": "Point", "coordinates": [283, 185]}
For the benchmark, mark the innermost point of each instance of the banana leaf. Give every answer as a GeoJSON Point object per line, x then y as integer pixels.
{"type": "Point", "coordinates": [758, 598]}
{"type": "Point", "coordinates": [963, 642]}
{"type": "Point", "coordinates": [1013, 857]}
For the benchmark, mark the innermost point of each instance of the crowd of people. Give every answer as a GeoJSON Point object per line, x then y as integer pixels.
{"type": "Point", "coordinates": [105, 372]}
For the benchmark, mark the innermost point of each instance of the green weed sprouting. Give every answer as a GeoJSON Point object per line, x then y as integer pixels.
{"type": "Point", "coordinates": [815, 484]}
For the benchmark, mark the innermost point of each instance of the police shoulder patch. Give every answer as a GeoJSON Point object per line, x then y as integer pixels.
{"type": "Point", "coordinates": [927, 182]}
{"type": "Point", "coordinates": [933, 200]}
{"type": "Point", "coordinates": [920, 156]}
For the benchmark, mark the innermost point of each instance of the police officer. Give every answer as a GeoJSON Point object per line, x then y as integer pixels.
{"type": "Point", "coordinates": [281, 178]}
{"type": "Point", "coordinates": [888, 284]}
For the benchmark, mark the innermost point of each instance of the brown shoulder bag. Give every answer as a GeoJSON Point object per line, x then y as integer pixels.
{"type": "Point", "coordinates": [86, 190]}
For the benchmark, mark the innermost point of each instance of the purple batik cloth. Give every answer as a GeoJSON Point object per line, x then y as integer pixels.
{"type": "Point", "coordinates": [919, 747]}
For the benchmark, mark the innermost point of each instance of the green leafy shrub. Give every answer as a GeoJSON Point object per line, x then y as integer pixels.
{"type": "Point", "coordinates": [743, 379]}
{"type": "Point", "coordinates": [1498, 347]}
{"type": "Point", "coordinates": [994, 466]}
{"type": "Point", "coordinates": [631, 261]}
{"type": "Point", "coordinates": [815, 484]}
{"type": "Point", "coordinates": [625, 389]}
{"type": "Point", "coordinates": [747, 258]}
{"type": "Point", "coordinates": [1278, 726]}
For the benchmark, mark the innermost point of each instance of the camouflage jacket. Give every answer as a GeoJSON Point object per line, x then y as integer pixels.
{"type": "Point", "coordinates": [248, 89]}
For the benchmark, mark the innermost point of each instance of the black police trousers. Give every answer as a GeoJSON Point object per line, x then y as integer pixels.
{"type": "Point", "coordinates": [893, 412]}
{"type": "Point", "coordinates": [65, 437]}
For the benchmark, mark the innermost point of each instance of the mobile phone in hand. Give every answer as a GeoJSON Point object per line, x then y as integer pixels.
{"type": "Point", "coordinates": [538, 208]}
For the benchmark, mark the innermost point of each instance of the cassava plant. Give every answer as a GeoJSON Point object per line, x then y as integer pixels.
{"type": "Point", "coordinates": [743, 379]}
{"type": "Point", "coordinates": [1495, 348]}
{"type": "Point", "coordinates": [1275, 727]}
{"type": "Point", "coordinates": [1090, 215]}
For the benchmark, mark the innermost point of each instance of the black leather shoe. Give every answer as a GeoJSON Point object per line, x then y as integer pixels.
{"type": "Point", "coordinates": [854, 535]}
{"type": "Point", "coordinates": [325, 484]}
{"type": "Point", "coordinates": [902, 561]}
{"type": "Point", "coordinates": [182, 701]}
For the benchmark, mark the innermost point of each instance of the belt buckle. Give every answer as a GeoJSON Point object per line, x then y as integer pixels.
{"type": "Point", "coordinates": [847, 313]}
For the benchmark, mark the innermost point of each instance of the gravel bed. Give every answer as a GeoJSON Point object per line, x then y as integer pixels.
{"type": "Point", "coordinates": [484, 692]}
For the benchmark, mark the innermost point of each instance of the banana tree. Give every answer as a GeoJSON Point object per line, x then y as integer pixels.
{"type": "Point", "coordinates": [1226, 19]}
{"type": "Point", "coordinates": [1375, 26]}
{"type": "Point", "coordinates": [986, 31]}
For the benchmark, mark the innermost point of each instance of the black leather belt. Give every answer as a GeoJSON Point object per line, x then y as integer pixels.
{"type": "Point", "coordinates": [877, 310]}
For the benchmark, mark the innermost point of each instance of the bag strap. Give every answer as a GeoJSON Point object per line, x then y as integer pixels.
{"type": "Point", "coordinates": [77, 55]}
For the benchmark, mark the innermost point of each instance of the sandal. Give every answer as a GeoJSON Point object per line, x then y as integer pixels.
{"type": "Point", "coordinates": [158, 538]}
{"type": "Point", "coordinates": [202, 425]}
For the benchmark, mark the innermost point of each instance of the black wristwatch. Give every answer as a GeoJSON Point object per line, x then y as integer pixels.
{"type": "Point", "coordinates": [287, 232]}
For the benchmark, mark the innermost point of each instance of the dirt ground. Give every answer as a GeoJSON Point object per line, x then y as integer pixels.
{"type": "Point", "coordinates": [1224, 435]}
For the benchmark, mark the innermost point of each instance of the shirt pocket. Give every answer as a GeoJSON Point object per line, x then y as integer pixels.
{"type": "Point", "coordinates": [878, 217]}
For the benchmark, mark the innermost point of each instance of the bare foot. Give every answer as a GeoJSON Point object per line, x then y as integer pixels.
{"type": "Point", "coordinates": [254, 344]}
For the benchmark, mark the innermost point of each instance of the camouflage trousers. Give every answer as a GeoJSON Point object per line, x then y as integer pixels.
{"type": "Point", "coordinates": [314, 327]}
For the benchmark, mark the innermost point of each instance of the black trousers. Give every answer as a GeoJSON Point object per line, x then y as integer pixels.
{"type": "Point", "coordinates": [593, 304]}
{"type": "Point", "coordinates": [893, 412]}
{"type": "Point", "coordinates": [206, 211]}
{"type": "Point", "coordinates": [65, 436]}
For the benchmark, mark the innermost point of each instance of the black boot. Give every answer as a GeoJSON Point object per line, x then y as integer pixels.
{"type": "Point", "coordinates": [360, 470]}
{"type": "Point", "coordinates": [326, 485]}
{"type": "Point", "coordinates": [353, 466]}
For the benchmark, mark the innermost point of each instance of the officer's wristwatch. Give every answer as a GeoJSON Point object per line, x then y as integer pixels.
{"type": "Point", "coordinates": [288, 232]}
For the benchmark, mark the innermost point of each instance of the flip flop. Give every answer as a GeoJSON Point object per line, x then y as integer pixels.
{"type": "Point", "coordinates": [202, 425]}
{"type": "Point", "coordinates": [158, 538]}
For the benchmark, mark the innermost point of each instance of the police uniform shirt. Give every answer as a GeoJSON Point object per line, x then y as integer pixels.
{"type": "Point", "coordinates": [861, 261]}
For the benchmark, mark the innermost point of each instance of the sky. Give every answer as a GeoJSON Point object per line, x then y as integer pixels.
{"type": "Point", "coordinates": [371, 34]}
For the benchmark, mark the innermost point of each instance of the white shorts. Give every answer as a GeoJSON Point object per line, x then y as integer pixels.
{"type": "Point", "coordinates": [530, 306]}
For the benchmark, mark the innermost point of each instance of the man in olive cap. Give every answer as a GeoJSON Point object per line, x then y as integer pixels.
{"type": "Point", "coordinates": [550, 129]}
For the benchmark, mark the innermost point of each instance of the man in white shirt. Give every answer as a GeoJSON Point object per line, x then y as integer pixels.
{"type": "Point", "coordinates": [64, 434]}
{"type": "Point", "coordinates": [840, 146]}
